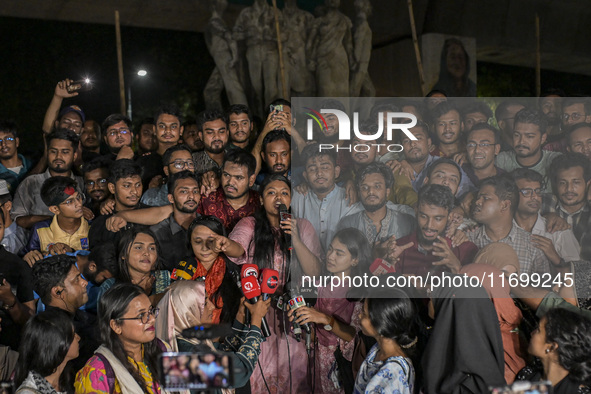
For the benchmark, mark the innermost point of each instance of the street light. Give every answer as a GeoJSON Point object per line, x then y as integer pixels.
{"type": "Point", "coordinates": [140, 73]}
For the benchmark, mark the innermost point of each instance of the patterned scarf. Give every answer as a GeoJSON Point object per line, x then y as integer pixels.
{"type": "Point", "coordinates": [213, 280]}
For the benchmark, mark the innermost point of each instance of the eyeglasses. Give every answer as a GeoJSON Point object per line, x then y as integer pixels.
{"type": "Point", "coordinates": [6, 140]}
{"type": "Point", "coordinates": [116, 132]}
{"type": "Point", "coordinates": [79, 198]}
{"type": "Point", "coordinates": [181, 164]}
{"type": "Point", "coordinates": [144, 317]}
{"type": "Point", "coordinates": [482, 145]}
{"type": "Point", "coordinates": [530, 192]}
{"type": "Point", "coordinates": [574, 116]}
{"type": "Point", "coordinates": [101, 182]}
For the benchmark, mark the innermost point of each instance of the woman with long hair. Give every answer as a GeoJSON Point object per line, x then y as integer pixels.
{"type": "Point", "coordinates": [219, 274]}
{"type": "Point", "coordinates": [184, 306]}
{"type": "Point", "coordinates": [47, 344]}
{"type": "Point", "coordinates": [139, 264]}
{"type": "Point", "coordinates": [127, 360]}
{"type": "Point", "coordinates": [562, 344]}
{"type": "Point", "coordinates": [336, 319]}
{"type": "Point", "coordinates": [260, 240]}
{"type": "Point", "coordinates": [390, 364]}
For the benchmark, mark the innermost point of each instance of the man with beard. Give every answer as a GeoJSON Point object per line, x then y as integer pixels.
{"type": "Point", "coordinates": [13, 166]}
{"type": "Point", "coordinates": [28, 207]}
{"type": "Point", "coordinates": [448, 126]}
{"type": "Point", "coordinates": [177, 158]}
{"type": "Point", "coordinates": [330, 134]}
{"type": "Point", "coordinates": [191, 135]}
{"type": "Point", "coordinates": [145, 136]}
{"type": "Point", "coordinates": [575, 110]}
{"type": "Point", "coordinates": [213, 131]}
{"type": "Point", "coordinates": [96, 174]}
{"type": "Point", "coordinates": [233, 200]}
{"type": "Point", "coordinates": [560, 247]}
{"type": "Point", "coordinates": [494, 209]}
{"type": "Point", "coordinates": [325, 203]}
{"type": "Point", "coordinates": [276, 155]}
{"type": "Point", "coordinates": [579, 139]}
{"type": "Point", "coordinates": [125, 184]}
{"type": "Point", "coordinates": [483, 146]}
{"type": "Point", "coordinates": [529, 135]}
{"type": "Point", "coordinates": [184, 196]}
{"type": "Point", "coordinates": [169, 131]}
{"type": "Point", "coordinates": [240, 126]}
{"type": "Point", "coordinates": [550, 104]}
{"type": "Point", "coordinates": [428, 250]}
{"type": "Point", "coordinates": [90, 138]}
{"type": "Point", "coordinates": [505, 117]}
{"type": "Point", "coordinates": [95, 267]}
{"type": "Point", "coordinates": [571, 178]}
{"type": "Point", "coordinates": [380, 219]}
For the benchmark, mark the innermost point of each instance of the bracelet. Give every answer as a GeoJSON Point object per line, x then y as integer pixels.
{"type": "Point", "coordinates": [9, 307]}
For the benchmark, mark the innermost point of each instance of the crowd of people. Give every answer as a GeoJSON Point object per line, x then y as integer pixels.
{"type": "Point", "coordinates": [121, 236]}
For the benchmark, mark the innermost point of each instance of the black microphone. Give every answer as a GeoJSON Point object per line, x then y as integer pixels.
{"type": "Point", "coordinates": [284, 215]}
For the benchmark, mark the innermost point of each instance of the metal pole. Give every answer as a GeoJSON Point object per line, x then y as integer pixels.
{"type": "Point", "coordinates": [120, 62]}
{"type": "Point", "coordinates": [129, 102]}
{"type": "Point", "coordinates": [280, 49]}
{"type": "Point", "coordinates": [538, 59]}
{"type": "Point", "coordinates": [415, 41]}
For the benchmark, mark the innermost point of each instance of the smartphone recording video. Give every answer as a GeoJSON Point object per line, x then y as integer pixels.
{"type": "Point", "coordinates": [195, 371]}
{"type": "Point", "coordinates": [83, 85]}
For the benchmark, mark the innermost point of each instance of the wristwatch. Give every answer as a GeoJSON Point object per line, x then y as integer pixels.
{"type": "Point", "coordinates": [328, 327]}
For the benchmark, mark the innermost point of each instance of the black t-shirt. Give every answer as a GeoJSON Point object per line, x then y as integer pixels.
{"type": "Point", "coordinates": [18, 274]}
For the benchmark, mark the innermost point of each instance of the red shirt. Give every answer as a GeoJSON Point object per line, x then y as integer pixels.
{"type": "Point", "coordinates": [217, 205]}
{"type": "Point", "coordinates": [419, 262]}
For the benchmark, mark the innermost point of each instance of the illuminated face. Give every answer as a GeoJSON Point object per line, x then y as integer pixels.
{"type": "Point", "coordinates": [432, 221]}
{"type": "Point", "coordinates": [181, 160]}
{"type": "Point", "coordinates": [147, 138]}
{"type": "Point", "coordinates": [127, 192]}
{"type": "Point", "coordinates": [333, 125]}
{"type": "Point", "coordinates": [214, 136]}
{"type": "Point", "coordinates": [447, 175]}
{"type": "Point", "coordinates": [142, 254]}
{"type": "Point", "coordinates": [571, 186]}
{"type": "Point", "coordinates": [579, 141]}
{"type": "Point", "coordinates": [321, 173]}
{"type": "Point", "coordinates": [275, 194]}
{"type": "Point", "coordinates": [550, 107]}
{"type": "Point", "coordinates": [192, 138]}
{"type": "Point", "coordinates": [481, 149]}
{"type": "Point", "coordinates": [235, 180]}
{"type": "Point", "coordinates": [118, 136]}
{"type": "Point", "coordinates": [373, 192]}
{"type": "Point", "coordinates": [200, 241]}
{"type": "Point", "coordinates": [277, 155]}
{"type": "Point", "coordinates": [71, 207]}
{"type": "Point", "coordinates": [60, 156]}
{"type": "Point", "coordinates": [527, 140]}
{"type": "Point", "coordinates": [537, 344]}
{"type": "Point", "coordinates": [448, 127]}
{"type": "Point", "coordinates": [135, 332]}
{"type": "Point", "coordinates": [363, 155]}
{"type": "Point", "coordinates": [416, 151]}
{"type": "Point", "coordinates": [338, 258]}
{"type": "Point", "coordinates": [574, 114]}
{"type": "Point", "coordinates": [487, 205]}
{"type": "Point", "coordinates": [168, 129]}
{"type": "Point", "coordinates": [74, 291]}
{"type": "Point", "coordinates": [96, 184]}
{"type": "Point", "coordinates": [8, 145]}
{"type": "Point", "coordinates": [71, 121]}
{"type": "Point", "coordinates": [472, 119]}
{"type": "Point", "coordinates": [186, 195]}
{"type": "Point", "coordinates": [530, 196]}
{"type": "Point", "coordinates": [240, 127]}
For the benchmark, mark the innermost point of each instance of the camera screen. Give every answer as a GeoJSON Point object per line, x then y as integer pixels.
{"type": "Point", "coordinates": [182, 371]}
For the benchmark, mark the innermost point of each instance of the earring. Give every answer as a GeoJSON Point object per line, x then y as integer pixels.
{"type": "Point", "coordinates": [547, 351]}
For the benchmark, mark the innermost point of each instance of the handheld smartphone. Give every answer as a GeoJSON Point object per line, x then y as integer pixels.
{"type": "Point", "coordinates": [83, 85]}
{"type": "Point", "coordinates": [196, 371]}
{"type": "Point", "coordinates": [278, 108]}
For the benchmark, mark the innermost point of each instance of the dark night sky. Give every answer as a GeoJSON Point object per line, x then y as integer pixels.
{"type": "Point", "coordinates": [39, 53]}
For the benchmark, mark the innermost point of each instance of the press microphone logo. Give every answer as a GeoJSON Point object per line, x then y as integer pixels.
{"type": "Point", "coordinates": [250, 271]}
{"type": "Point", "coordinates": [248, 286]}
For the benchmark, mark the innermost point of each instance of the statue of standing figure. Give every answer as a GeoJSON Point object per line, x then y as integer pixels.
{"type": "Point", "coordinates": [224, 51]}
{"type": "Point", "coordinates": [361, 84]}
{"type": "Point", "coordinates": [297, 25]}
{"type": "Point", "coordinates": [256, 26]}
{"type": "Point", "coordinates": [330, 49]}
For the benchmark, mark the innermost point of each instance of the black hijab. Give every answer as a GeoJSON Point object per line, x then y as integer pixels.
{"type": "Point", "coordinates": [465, 350]}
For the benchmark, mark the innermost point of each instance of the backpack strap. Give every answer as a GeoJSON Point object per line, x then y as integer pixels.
{"type": "Point", "coordinates": [108, 371]}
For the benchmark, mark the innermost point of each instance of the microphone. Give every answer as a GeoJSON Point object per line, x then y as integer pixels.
{"type": "Point", "coordinates": [380, 267]}
{"type": "Point", "coordinates": [252, 291]}
{"type": "Point", "coordinates": [269, 282]}
{"type": "Point", "coordinates": [245, 271]}
{"type": "Point", "coordinates": [295, 303]}
{"type": "Point", "coordinates": [284, 215]}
